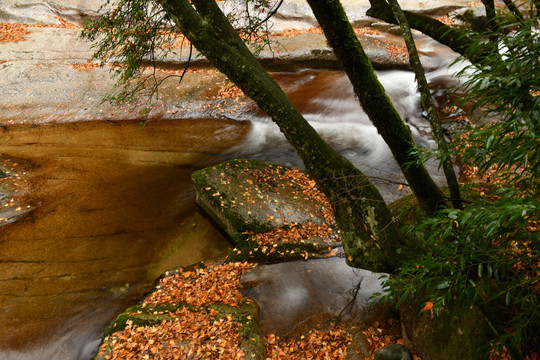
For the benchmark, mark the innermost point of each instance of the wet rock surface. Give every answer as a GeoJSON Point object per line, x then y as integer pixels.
{"type": "Point", "coordinates": [242, 195]}
{"type": "Point", "coordinates": [105, 192]}
{"type": "Point", "coordinates": [393, 352]}
{"type": "Point", "coordinates": [44, 77]}
{"type": "Point", "coordinates": [112, 208]}
{"type": "Point", "coordinates": [296, 296]}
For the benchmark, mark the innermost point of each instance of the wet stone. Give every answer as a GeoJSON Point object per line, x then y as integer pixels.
{"type": "Point", "coordinates": [247, 195]}
{"type": "Point", "coordinates": [393, 352]}
{"type": "Point", "coordinates": [295, 297]}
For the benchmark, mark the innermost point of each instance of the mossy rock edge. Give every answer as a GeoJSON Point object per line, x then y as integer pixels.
{"type": "Point", "coordinates": [247, 315]}
{"type": "Point", "coordinates": [247, 195]}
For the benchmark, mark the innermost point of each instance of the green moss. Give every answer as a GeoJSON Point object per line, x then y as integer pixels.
{"type": "Point", "coordinates": [226, 217]}
{"type": "Point", "coordinates": [251, 251]}
{"type": "Point", "coordinates": [459, 332]}
{"type": "Point", "coordinates": [247, 315]}
{"type": "Point", "coordinates": [144, 316]}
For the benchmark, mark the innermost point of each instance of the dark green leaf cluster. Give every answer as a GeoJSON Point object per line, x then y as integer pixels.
{"type": "Point", "coordinates": [486, 255]}
{"type": "Point", "coordinates": [506, 86]}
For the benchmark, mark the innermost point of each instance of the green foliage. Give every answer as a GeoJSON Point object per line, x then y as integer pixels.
{"type": "Point", "coordinates": [506, 86]}
{"type": "Point", "coordinates": [488, 254]}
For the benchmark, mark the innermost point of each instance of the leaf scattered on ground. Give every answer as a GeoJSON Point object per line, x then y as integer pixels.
{"type": "Point", "coordinates": [331, 345]}
{"type": "Point", "coordinates": [13, 32]}
{"type": "Point", "coordinates": [191, 335]}
{"type": "Point", "coordinates": [215, 284]}
{"type": "Point", "coordinates": [378, 338]}
{"type": "Point", "coordinates": [89, 65]}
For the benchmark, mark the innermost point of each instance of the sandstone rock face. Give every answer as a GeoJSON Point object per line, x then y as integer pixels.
{"type": "Point", "coordinates": [43, 78]}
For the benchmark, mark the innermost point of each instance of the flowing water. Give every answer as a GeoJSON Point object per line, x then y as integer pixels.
{"type": "Point", "coordinates": [114, 206]}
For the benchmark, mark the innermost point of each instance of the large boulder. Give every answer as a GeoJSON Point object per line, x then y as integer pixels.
{"type": "Point", "coordinates": [458, 332]}
{"type": "Point", "coordinates": [249, 195]}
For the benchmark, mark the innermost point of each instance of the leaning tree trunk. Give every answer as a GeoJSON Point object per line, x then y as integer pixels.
{"type": "Point", "coordinates": [515, 11]}
{"type": "Point", "coordinates": [369, 235]}
{"type": "Point", "coordinates": [435, 29]}
{"type": "Point", "coordinates": [429, 106]}
{"type": "Point", "coordinates": [489, 5]}
{"type": "Point", "coordinates": [372, 96]}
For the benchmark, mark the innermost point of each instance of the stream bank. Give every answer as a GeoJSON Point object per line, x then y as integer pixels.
{"type": "Point", "coordinates": [112, 206]}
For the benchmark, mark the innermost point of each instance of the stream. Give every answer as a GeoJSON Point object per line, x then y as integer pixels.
{"type": "Point", "coordinates": [113, 205]}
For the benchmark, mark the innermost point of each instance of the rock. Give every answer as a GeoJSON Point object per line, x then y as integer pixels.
{"type": "Point", "coordinates": [457, 333]}
{"type": "Point", "coordinates": [295, 297]}
{"type": "Point", "coordinates": [48, 12]}
{"type": "Point", "coordinates": [40, 83]}
{"type": "Point", "coordinates": [247, 315]}
{"type": "Point", "coordinates": [359, 347]}
{"type": "Point", "coordinates": [248, 195]}
{"type": "Point", "coordinates": [393, 352]}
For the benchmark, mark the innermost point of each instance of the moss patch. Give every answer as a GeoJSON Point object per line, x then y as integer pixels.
{"type": "Point", "coordinates": [247, 195]}
{"type": "Point", "coordinates": [249, 250]}
{"type": "Point", "coordinates": [457, 333]}
{"type": "Point", "coordinates": [247, 315]}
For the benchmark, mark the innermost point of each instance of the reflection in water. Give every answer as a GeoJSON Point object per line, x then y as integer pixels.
{"type": "Point", "coordinates": [114, 209]}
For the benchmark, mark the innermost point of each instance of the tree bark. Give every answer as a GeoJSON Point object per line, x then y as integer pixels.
{"type": "Point", "coordinates": [435, 29]}
{"type": "Point", "coordinates": [369, 235]}
{"type": "Point", "coordinates": [429, 105]}
{"type": "Point", "coordinates": [489, 5]}
{"type": "Point", "coordinates": [515, 11]}
{"type": "Point", "coordinates": [372, 96]}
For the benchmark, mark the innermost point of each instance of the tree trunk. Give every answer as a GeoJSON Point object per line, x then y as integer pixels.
{"type": "Point", "coordinates": [372, 96]}
{"type": "Point", "coordinates": [367, 229]}
{"type": "Point", "coordinates": [435, 29]}
{"type": "Point", "coordinates": [429, 105]}
{"type": "Point", "coordinates": [489, 5]}
{"type": "Point", "coordinates": [515, 11]}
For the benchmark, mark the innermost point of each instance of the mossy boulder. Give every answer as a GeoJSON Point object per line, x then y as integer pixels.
{"type": "Point", "coordinates": [458, 332]}
{"type": "Point", "coordinates": [247, 315]}
{"type": "Point", "coordinates": [248, 195]}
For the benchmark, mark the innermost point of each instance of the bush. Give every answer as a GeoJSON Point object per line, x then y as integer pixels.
{"type": "Point", "coordinates": [487, 254]}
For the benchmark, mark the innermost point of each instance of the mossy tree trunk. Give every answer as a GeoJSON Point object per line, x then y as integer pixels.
{"type": "Point", "coordinates": [369, 235]}
{"type": "Point", "coordinates": [429, 105]}
{"type": "Point", "coordinates": [372, 96]}
{"type": "Point", "coordinates": [435, 29]}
